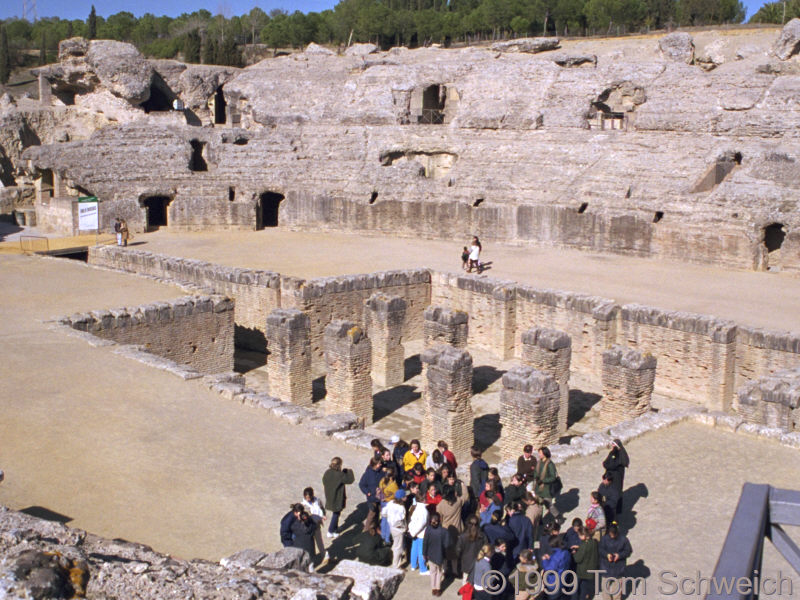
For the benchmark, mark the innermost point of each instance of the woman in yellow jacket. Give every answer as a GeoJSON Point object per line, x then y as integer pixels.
{"type": "Point", "coordinates": [414, 456]}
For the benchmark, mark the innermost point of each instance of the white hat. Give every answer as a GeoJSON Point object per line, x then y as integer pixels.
{"type": "Point", "coordinates": [395, 439]}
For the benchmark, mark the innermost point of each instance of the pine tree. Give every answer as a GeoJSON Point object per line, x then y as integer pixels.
{"type": "Point", "coordinates": [69, 30]}
{"type": "Point", "coordinates": [43, 50]}
{"type": "Point", "coordinates": [191, 47]}
{"type": "Point", "coordinates": [210, 52]}
{"type": "Point", "coordinates": [93, 24]}
{"type": "Point", "coordinates": [5, 59]}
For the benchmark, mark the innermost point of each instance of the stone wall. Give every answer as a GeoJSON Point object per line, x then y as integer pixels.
{"type": "Point", "coordinates": [194, 330]}
{"type": "Point", "coordinates": [256, 293]}
{"type": "Point", "coordinates": [760, 352]}
{"type": "Point", "coordinates": [773, 401]}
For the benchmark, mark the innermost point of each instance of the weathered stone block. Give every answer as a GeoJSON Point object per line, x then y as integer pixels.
{"type": "Point", "coordinates": [348, 356]}
{"type": "Point", "coordinates": [550, 351]}
{"type": "Point", "coordinates": [628, 379]}
{"type": "Point", "coordinates": [529, 410]}
{"type": "Point", "coordinates": [385, 317]}
{"type": "Point", "coordinates": [289, 360]}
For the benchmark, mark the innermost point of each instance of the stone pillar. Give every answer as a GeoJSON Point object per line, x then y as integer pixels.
{"type": "Point", "coordinates": [628, 377]}
{"type": "Point", "coordinates": [289, 360]}
{"type": "Point", "coordinates": [348, 356]}
{"type": "Point", "coordinates": [445, 326]}
{"type": "Point", "coordinates": [773, 401]}
{"type": "Point", "coordinates": [45, 93]}
{"type": "Point", "coordinates": [447, 412]}
{"type": "Point", "coordinates": [550, 351]}
{"type": "Point", "coordinates": [529, 409]}
{"type": "Point", "coordinates": [385, 317]}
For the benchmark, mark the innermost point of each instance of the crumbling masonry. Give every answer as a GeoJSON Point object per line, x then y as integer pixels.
{"type": "Point", "coordinates": [445, 326]}
{"type": "Point", "coordinates": [385, 317]}
{"type": "Point", "coordinates": [550, 351]}
{"type": "Point", "coordinates": [628, 378]}
{"type": "Point", "coordinates": [448, 391]}
{"type": "Point", "coordinates": [773, 401]}
{"type": "Point", "coordinates": [289, 361]}
{"type": "Point", "coordinates": [529, 410]}
{"type": "Point", "coordinates": [348, 356]}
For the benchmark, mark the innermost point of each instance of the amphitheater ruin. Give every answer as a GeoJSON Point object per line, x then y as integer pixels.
{"type": "Point", "coordinates": [679, 148]}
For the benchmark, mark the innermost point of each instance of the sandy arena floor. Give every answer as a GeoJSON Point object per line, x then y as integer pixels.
{"type": "Point", "coordinates": [126, 451]}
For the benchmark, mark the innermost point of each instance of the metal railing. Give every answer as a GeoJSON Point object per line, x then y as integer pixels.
{"type": "Point", "coordinates": [431, 116]}
{"type": "Point", "coordinates": [34, 243]}
{"type": "Point", "coordinates": [762, 513]}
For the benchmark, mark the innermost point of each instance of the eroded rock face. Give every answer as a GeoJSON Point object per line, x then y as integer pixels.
{"type": "Point", "coordinates": [46, 560]}
{"type": "Point", "coordinates": [677, 46]}
{"type": "Point", "coordinates": [788, 44]}
{"type": "Point", "coordinates": [361, 50]}
{"type": "Point", "coordinates": [529, 45]}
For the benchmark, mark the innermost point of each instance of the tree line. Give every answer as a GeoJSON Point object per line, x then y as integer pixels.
{"type": "Point", "coordinates": [203, 37]}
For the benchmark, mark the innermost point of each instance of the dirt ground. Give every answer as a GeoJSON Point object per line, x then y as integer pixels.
{"type": "Point", "coordinates": [123, 450]}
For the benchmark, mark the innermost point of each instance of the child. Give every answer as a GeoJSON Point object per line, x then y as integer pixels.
{"type": "Point", "coordinates": [313, 505]}
{"type": "Point", "coordinates": [464, 258]}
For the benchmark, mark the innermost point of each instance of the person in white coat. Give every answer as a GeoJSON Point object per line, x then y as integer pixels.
{"type": "Point", "coordinates": [314, 507]}
{"type": "Point", "coordinates": [395, 513]}
{"type": "Point", "coordinates": [416, 529]}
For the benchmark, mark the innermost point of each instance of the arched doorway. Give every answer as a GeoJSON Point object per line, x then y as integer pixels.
{"type": "Point", "coordinates": [774, 235]}
{"type": "Point", "coordinates": [156, 214]}
{"type": "Point", "coordinates": [267, 209]}
{"type": "Point", "coordinates": [219, 107]}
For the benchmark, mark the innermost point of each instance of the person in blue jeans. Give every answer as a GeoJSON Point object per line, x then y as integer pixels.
{"type": "Point", "coordinates": [416, 529]}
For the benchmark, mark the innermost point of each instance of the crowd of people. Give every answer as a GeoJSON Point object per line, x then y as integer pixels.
{"type": "Point", "coordinates": [421, 516]}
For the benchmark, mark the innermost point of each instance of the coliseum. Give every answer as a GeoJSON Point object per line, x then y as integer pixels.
{"type": "Point", "coordinates": [676, 154]}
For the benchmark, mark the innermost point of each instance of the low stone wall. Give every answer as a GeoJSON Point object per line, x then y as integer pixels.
{"type": "Point", "coordinates": [194, 331]}
{"type": "Point", "coordinates": [256, 293]}
{"type": "Point", "coordinates": [760, 352]}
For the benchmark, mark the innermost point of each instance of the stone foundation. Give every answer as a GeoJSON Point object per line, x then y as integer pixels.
{"type": "Point", "coordinates": [628, 378]}
{"type": "Point", "coordinates": [447, 412]}
{"type": "Point", "coordinates": [289, 361]}
{"type": "Point", "coordinates": [529, 410]}
{"type": "Point", "coordinates": [348, 355]}
{"type": "Point", "coordinates": [549, 351]}
{"type": "Point", "coordinates": [445, 326]}
{"type": "Point", "coordinates": [385, 316]}
{"type": "Point", "coordinates": [773, 401]}
{"type": "Point", "coordinates": [195, 330]}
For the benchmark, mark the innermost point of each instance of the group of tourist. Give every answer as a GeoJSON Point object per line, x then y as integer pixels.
{"type": "Point", "coordinates": [417, 509]}
{"type": "Point", "coordinates": [471, 257]}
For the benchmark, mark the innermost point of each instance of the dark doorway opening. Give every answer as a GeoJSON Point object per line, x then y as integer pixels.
{"type": "Point", "coordinates": [773, 237]}
{"type": "Point", "coordinates": [156, 211]}
{"type": "Point", "coordinates": [267, 209]}
{"type": "Point", "coordinates": [158, 101]}
{"type": "Point", "coordinates": [219, 107]}
{"type": "Point", "coordinates": [433, 100]}
{"type": "Point", "coordinates": [231, 193]}
{"type": "Point", "coordinates": [197, 162]}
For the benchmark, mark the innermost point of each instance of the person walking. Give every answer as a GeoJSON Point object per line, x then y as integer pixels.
{"type": "Point", "coordinates": [334, 481]}
{"type": "Point", "coordinates": [615, 463]}
{"type": "Point", "coordinates": [434, 551]}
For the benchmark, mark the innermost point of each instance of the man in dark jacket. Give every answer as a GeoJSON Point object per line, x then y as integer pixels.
{"type": "Point", "coordinates": [398, 452]}
{"type": "Point", "coordinates": [616, 462]}
{"type": "Point", "coordinates": [522, 528]}
{"type": "Point", "coordinates": [287, 537]}
{"type": "Point", "coordinates": [434, 551]}
{"type": "Point", "coordinates": [334, 481]}
{"type": "Point", "coordinates": [368, 484]}
{"type": "Point", "coordinates": [516, 491]}
{"type": "Point", "coordinates": [303, 529]}
{"type": "Point", "coordinates": [586, 562]}
{"type": "Point", "coordinates": [478, 472]}
{"type": "Point", "coordinates": [610, 497]}
{"type": "Point", "coordinates": [526, 464]}
{"type": "Point", "coordinates": [614, 550]}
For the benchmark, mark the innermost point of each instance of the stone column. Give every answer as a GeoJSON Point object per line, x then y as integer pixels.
{"type": "Point", "coordinates": [445, 326]}
{"type": "Point", "coordinates": [529, 408]}
{"type": "Point", "coordinates": [348, 356]}
{"type": "Point", "coordinates": [550, 351]}
{"type": "Point", "coordinates": [385, 317]}
{"type": "Point", "coordinates": [447, 412]}
{"type": "Point", "coordinates": [289, 360]}
{"type": "Point", "coordinates": [45, 93]}
{"type": "Point", "coordinates": [628, 377]}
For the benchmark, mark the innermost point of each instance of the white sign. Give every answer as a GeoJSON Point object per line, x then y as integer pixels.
{"type": "Point", "coordinates": [87, 216]}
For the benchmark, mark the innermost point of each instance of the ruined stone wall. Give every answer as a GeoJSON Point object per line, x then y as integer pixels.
{"type": "Point", "coordinates": [55, 215]}
{"type": "Point", "coordinates": [696, 353]}
{"type": "Point", "coordinates": [330, 298]}
{"type": "Point", "coordinates": [256, 293]}
{"type": "Point", "coordinates": [760, 353]}
{"type": "Point", "coordinates": [194, 330]}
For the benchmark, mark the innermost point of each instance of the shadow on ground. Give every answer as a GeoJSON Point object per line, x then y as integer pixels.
{"type": "Point", "coordinates": [580, 403]}
{"type": "Point", "coordinates": [392, 399]}
{"type": "Point", "coordinates": [483, 377]}
{"type": "Point", "coordinates": [40, 512]}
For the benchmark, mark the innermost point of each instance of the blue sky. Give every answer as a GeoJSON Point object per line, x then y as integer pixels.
{"type": "Point", "coordinates": [79, 9]}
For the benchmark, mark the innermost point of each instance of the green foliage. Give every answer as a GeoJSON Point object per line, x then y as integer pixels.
{"type": "Point", "coordinates": [5, 58]}
{"type": "Point", "coordinates": [191, 47]}
{"type": "Point", "coordinates": [43, 50]}
{"type": "Point", "coordinates": [772, 12]}
{"type": "Point", "coordinates": [92, 23]}
{"type": "Point", "coordinates": [210, 52]}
